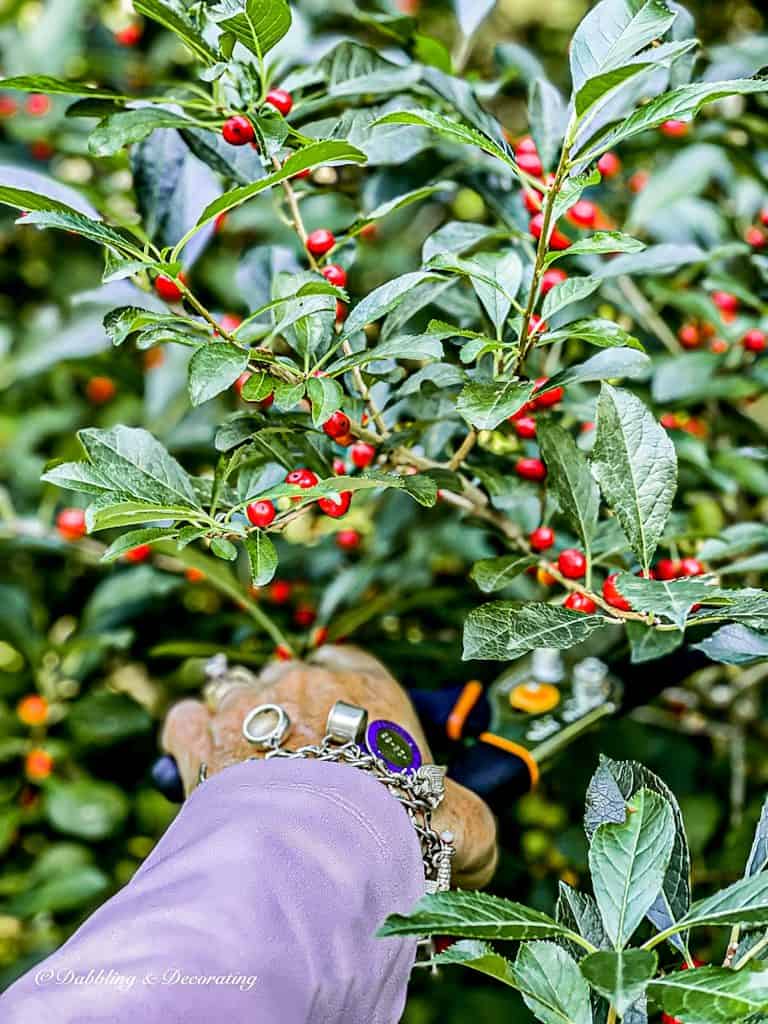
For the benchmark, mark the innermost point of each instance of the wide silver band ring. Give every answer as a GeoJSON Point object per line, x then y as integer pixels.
{"type": "Point", "coordinates": [266, 726]}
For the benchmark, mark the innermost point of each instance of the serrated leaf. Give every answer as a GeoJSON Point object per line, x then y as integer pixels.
{"type": "Point", "coordinates": [505, 271]}
{"type": "Point", "coordinates": [384, 299]}
{"type": "Point", "coordinates": [548, 118]}
{"type": "Point", "coordinates": [734, 644]}
{"type": "Point", "coordinates": [59, 87]}
{"type": "Point", "coordinates": [326, 397]}
{"type": "Point", "coordinates": [452, 130]}
{"type": "Point", "coordinates": [170, 18]}
{"type": "Point", "coordinates": [743, 902]}
{"type": "Point", "coordinates": [501, 631]}
{"type": "Point", "coordinates": [551, 984]}
{"type": "Point", "coordinates": [649, 643]}
{"type": "Point", "coordinates": [570, 480]}
{"type": "Point", "coordinates": [258, 24]}
{"type": "Point", "coordinates": [628, 862]}
{"type": "Point", "coordinates": [579, 912]}
{"type": "Point", "coordinates": [573, 289]}
{"type": "Point", "coordinates": [214, 368]}
{"type": "Point", "coordinates": [485, 404]}
{"type": "Point", "coordinates": [621, 977]}
{"type": "Point", "coordinates": [669, 599]}
{"type": "Point", "coordinates": [128, 126]}
{"type": "Point", "coordinates": [613, 362]}
{"type": "Point", "coordinates": [636, 466]}
{"type": "Point", "coordinates": [262, 557]}
{"type": "Point", "coordinates": [491, 574]}
{"type": "Point", "coordinates": [596, 244]}
{"type": "Point", "coordinates": [134, 538]}
{"type": "Point", "coordinates": [603, 333]}
{"type": "Point", "coordinates": [758, 854]}
{"type": "Point", "coordinates": [712, 995]}
{"type": "Point", "coordinates": [404, 346]}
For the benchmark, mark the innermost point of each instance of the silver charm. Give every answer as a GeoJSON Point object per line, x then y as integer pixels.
{"type": "Point", "coordinates": [346, 723]}
{"type": "Point", "coordinates": [202, 773]}
{"type": "Point", "coordinates": [266, 726]}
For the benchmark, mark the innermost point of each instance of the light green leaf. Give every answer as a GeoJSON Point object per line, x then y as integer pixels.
{"type": "Point", "coordinates": [621, 977]}
{"type": "Point", "coordinates": [743, 902]}
{"type": "Point", "coordinates": [636, 467]}
{"type": "Point", "coordinates": [669, 599]}
{"type": "Point", "coordinates": [262, 557]}
{"type": "Point", "coordinates": [570, 480]}
{"type": "Point", "coordinates": [479, 956]}
{"type": "Point", "coordinates": [110, 512]}
{"type": "Point", "coordinates": [506, 272]}
{"type": "Point", "coordinates": [712, 995]}
{"type": "Point", "coordinates": [51, 213]}
{"type": "Point", "coordinates": [402, 346]}
{"type": "Point", "coordinates": [383, 299]}
{"type": "Point", "coordinates": [452, 130]}
{"type": "Point", "coordinates": [59, 87]}
{"type": "Point", "coordinates": [548, 118]}
{"type": "Point", "coordinates": [178, 23]}
{"type": "Point", "coordinates": [628, 862]}
{"type": "Point", "coordinates": [551, 984]}
{"type": "Point", "coordinates": [613, 362]}
{"type": "Point", "coordinates": [134, 538]}
{"type": "Point", "coordinates": [85, 808]}
{"type": "Point", "coordinates": [491, 574]}
{"type": "Point", "coordinates": [596, 244]}
{"type": "Point", "coordinates": [128, 126]}
{"type": "Point", "coordinates": [603, 333]}
{"type": "Point", "coordinates": [485, 404]}
{"type": "Point", "coordinates": [735, 645]}
{"type": "Point", "coordinates": [258, 24]}
{"type": "Point", "coordinates": [573, 289]}
{"type": "Point", "coordinates": [213, 368]}
{"type": "Point", "coordinates": [326, 397]}
{"type": "Point", "coordinates": [501, 631]}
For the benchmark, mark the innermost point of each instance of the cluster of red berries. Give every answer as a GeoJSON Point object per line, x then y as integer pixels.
{"type": "Point", "coordinates": [693, 334]}
{"type": "Point", "coordinates": [756, 235]}
{"type": "Point", "coordinates": [524, 424]}
{"type": "Point", "coordinates": [682, 421]}
{"type": "Point", "coordinates": [238, 130]}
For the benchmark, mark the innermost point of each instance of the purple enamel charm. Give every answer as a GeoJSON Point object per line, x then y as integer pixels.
{"type": "Point", "coordinates": [393, 745]}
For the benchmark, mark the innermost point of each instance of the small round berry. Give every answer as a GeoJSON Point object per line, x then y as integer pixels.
{"type": "Point", "coordinates": [130, 35]}
{"type": "Point", "coordinates": [319, 636]}
{"type": "Point", "coordinates": [32, 710]}
{"type": "Point", "coordinates": [725, 301]}
{"type": "Point", "coordinates": [342, 311]}
{"type": "Point", "coordinates": [667, 569]}
{"type": "Point", "coordinates": [100, 390]}
{"type": "Point", "coordinates": [670, 421]}
{"type": "Point", "coordinates": [70, 523]}
{"type": "Point", "coordinates": [525, 426]}
{"type": "Point", "coordinates": [260, 513]}
{"type": "Point", "coordinates": [320, 241]}
{"type": "Point", "coordinates": [525, 145]}
{"type": "Point", "coordinates": [335, 505]}
{"type": "Point", "coordinates": [8, 106]}
{"type": "Point", "coordinates": [302, 477]}
{"type": "Point", "coordinates": [755, 237]}
{"type": "Point", "coordinates": [230, 322]}
{"type": "Point", "coordinates": [304, 616]}
{"type": "Point", "coordinates": [718, 345]}
{"type": "Point", "coordinates": [546, 579]}
{"type": "Point", "coordinates": [638, 181]}
{"type": "Point", "coordinates": [362, 454]}
{"type": "Point", "coordinates": [38, 765]}
{"type": "Point", "coordinates": [531, 469]}
{"type": "Point", "coordinates": [541, 538]}
{"type": "Point", "coordinates": [557, 240]}
{"type": "Point", "coordinates": [339, 467]}
{"type": "Point", "coordinates": [609, 165]}
{"type": "Point", "coordinates": [578, 602]}
{"type": "Point", "coordinates": [337, 424]}
{"type": "Point", "coordinates": [674, 129]}
{"type": "Point", "coordinates": [764, 216]}
{"type": "Point", "coordinates": [689, 335]}
{"type": "Point", "coordinates": [42, 150]}
{"type": "Point", "coordinates": [37, 104]}
{"type": "Point", "coordinates": [335, 275]}
{"type": "Point", "coordinates": [280, 592]}
{"type": "Point", "coordinates": [283, 653]}
{"type": "Point", "coordinates": [238, 131]}
{"type": "Point", "coordinates": [548, 398]}
{"type": "Point", "coordinates": [572, 563]}
{"type": "Point", "coordinates": [280, 100]}
{"type": "Point", "coordinates": [532, 200]}
{"type": "Point", "coordinates": [551, 278]}
{"type": "Point", "coordinates": [194, 575]}
{"type": "Point", "coordinates": [537, 324]}
{"type": "Point", "coordinates": [138, 554]}
{"type": "Point", "coordinates": [583, 214]}
{"type": "Point", "coordinates": [167, 288]}
{"type": "Point", "coordinates": [754, 340]}
{"type": "Point", "coordinates": [691, 567]}
{"type": "Point", "coordinates": [153, 358]}
{"type": "Point", "coordinates": [530, 163]}
{"type": "Point", "coordinates": [612, 595]}
{"type": "Point", "coordinates": [348, 540]}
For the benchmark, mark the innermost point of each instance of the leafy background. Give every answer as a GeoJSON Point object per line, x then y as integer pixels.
{"type": "Point", "coordinates": [115, 646]}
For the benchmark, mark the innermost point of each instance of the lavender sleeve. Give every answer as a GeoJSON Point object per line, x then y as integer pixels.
{"type": "Point", "coordinates": [260, 903]}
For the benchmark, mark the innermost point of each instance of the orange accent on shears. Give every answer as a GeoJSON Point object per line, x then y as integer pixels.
{"type": "Point", "coordinates": [466, 700]}
{"type": "Point", "coordinates": [514, 748]}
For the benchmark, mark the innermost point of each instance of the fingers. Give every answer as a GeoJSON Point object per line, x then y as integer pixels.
{"type": "Point", "coordinates": [186, 735]}
{"type": "Point", "coordinates": [347, 658]}
{"type": "Point", "coordinates": [474, 829]}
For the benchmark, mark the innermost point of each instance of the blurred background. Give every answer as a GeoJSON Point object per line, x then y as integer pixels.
{"type": "Point", "coordinates": [90, 657]}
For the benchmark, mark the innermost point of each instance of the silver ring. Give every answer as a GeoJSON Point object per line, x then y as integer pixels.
{"type": "Point", "coordinates": [346, 722]}
{"type": "Point", "coordinates": [266, 726]}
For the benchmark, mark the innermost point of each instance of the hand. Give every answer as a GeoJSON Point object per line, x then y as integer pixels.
{"type": "Point", "coordinates": [194, 734]}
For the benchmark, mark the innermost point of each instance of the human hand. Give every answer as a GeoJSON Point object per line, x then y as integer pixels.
{"type": "Point", "coordinates": [195, 734]}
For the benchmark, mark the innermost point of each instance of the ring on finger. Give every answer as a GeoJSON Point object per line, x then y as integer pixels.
{"type": "Point", "coordinates": [266, 726]}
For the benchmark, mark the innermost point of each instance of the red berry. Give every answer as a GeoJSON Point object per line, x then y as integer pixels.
{"type": "Point", "coordinates": [283, 653]}
{"type": "Point", "coordinates": [586, 426]}
{"type": "Point", "coordinates": [319, 635]}
{"type": "Point", "coordinates": [38, 765]}
{"type": "Point", "coordinates": [362, 454]}
{"type": "Point", "coordinates": [167, 288]}
{"type": "Point", "coordinates": [691, 567]}
{"type": "Point", "coordinates": [548, 398]}
{"type": "Point", "coordinates": [230, 322]}
{"type": "Point", "coordinates": [667, 1018]}
{"type": "Point", "coordinates": [572, 563]}
{"type": "Point", "coordinates": [580, 603]}
{"type": "Point", "coordinates": [37, 105]}
{"type": "Point", "coordinates": [32, 710]}
{"type": "Point", "coordinates": [638, 181]}
{"type": "Point", "coordinates": [674, 129]}
{"type": "Point", "coordinates": [689, 335]}
{"type": "Point", "coordinates": [552, 277]}
{"type": "Point", "coordinates": [525, 426]}
{"type": "Point", "coordinates": [718, 345]}
{"type": "Point", "coordinates": [348, 540]}
{"type": "Point", "coordinates": [194, 575]}
{"type": "Point", "coordinates": [304, 615]}
{"type": "Point", "coordinates": [543, 537]}
{"type": "Point", "coordinates": [532, 200]}
{"type": "Point", "coordinates": [280, 592]}
{"type": "Point", "coordinates": [531, 469]}
{"type": "Point", "coordinates": [342, 311]}
{"type": "Point", "coordinates": [530, 163]}
{"type": "Point", "coordinates": [725, 301]}
{"type": "Point", "coordinates": [337, 424]}
{"type": "Point", "coordinates": [764, 216]}
{"type": "Point", "coordinates": [219, 221]}
{"type": "Point", "coordinates": [138, 554]}
{"type": "Point", "coordinates": [754, 340]}
{"type": "Point", "coordinates": [238, 131]}
{"type": "Point", "coordinates": [755, 237]}
{"type": "Point", "coordinates": [583, 213]}
{"type": "Point", "coordinates": [260, 513]}
{"type": "Point", "coordinates": [609, 165]}
{"type": "Point", "coordinates": [557, 240]}
{"type": "Point", "coordinates": [302, 477]}
{"type": "Point", "coordinates": [320, 242]}
{"type": "Point", "coordinates": [130, 35]}
{"type": "Point", "coordinates": [335, 275]}
{"type": "Point", "coordinates": [70, 523]}
{"type": "Point", "coordinates": [612, 595]}
{"type": "Point", "coordinates": [670, 421]}
{"type": "Point", "coordinates": [100, 390]}
{"type": "Point", "coordinates": [667, 569]}
{"type": "Point", "coordinates": [335, 505]}
{"type": "Point", "coordinates": [8, 106]}
{"type": "Point", "coordinates": [537, 324]}
{"type": "Point", "coordinates": [280, 100]}
{"type": "Point", "coordinates": [525, 145]}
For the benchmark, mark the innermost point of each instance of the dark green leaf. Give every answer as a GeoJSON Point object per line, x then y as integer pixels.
{"type": "Point", "coordinates": [501, 631]}
{"type": "Point", "coordinates": [491, 574]}
{"type": "Point", "coordinates": [127, 126]}
{"type": "Point", "coordinates": [485, 404]}
{"type": "Point", "coordinates": [712, 995]}
{"type": "Point", "coordinates": [262, 557]}
{"type": "Point", "coordinates": [621, 977]}
{"type": "Point", "coordinates": [735, 645]}
{"type": "Point", "coordinates": [258, 24]}
{"type": "Point", "coordinates": [170, 18]}
{"type": "Point", "coordinates": [570, 480]}
{"type": "Point", "coordinates": [213, 368]}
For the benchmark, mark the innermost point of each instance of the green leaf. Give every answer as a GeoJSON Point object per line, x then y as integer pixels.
{"type": "Point", "coordinates": [131, 540]}
{"type": "Point", "coordinates": [414, 196]}
{"type": "Point", "coordinates": [59, 87]}
{"type": "Point", "coordinates": [452, 130]}
{"type": "Point", "coordinates": [636, 467]}
{"type": "Point", "coordinates": [326, 397]}
{"type": "Point", "coordinates": [258, 24]}
{"type": "Point", "coordinates": [628, 862]}
{"type": "Point", "coordinates": [603, 333]}
{"type": "Point", "coordinates": [111, 512]}
{"type": "Point", "coordinates": [402, 346]}
{"type": "Point", "coordinates": [51, 213]}
{"type": "Point", "coordinates": [735, 645]}
{"type": "Point", "coordinates": [88, 809]}
{"type": "Point", "coordinates": [548, 118]}
{"type": "Point", "coordinates": [214, 368]}
{"type": "Point", "coordinates": [613, 362]}
{"type": "Point", "coordinates": [505, 270]}
{"type": "Point", "coordinates": [178, 23]}
{"type": "Point", "coordinates": [758, 854]}
{"type": "Point", "coordinates": [621, 977]}
{"type": "Point", "coordinates": [551, 984]}
{"type": "Point", "coordinates": [479, 956]}
{"type": "Point", "coordinates": [72, 890]}
{"type": "Point", "coordinates": [669, 599]}
{"type": "Point", "coordinates": [596, 244]}
{"type": "Point", "coordinates": [501, 631]}
{"type": "Point", "coordinates": [570, 480]}
{"type": "Point", "coordinates": [579, 912]}
{"type": "Point", "coordinates": [491, 574]}
{"type": "Point", "coordinates": [571, 192]}
{"type": "Point", "coordinates": [383, 299]}
{"type": "Point", "coordinates": [712, 995]}
{"type": "Point", "coordinates": [127, 126]}
{"type": "Point", "coordinates": [332, 152]}
{"type": "Point", "coordinates": [649, 643]}
{"type": "Point", "coordinates": [485, 404]}
{"type": "Point", "coordinates": [573, 289]}
{"type": "Point", "coordinates": [262, 557]}
{"type": "Point", "coordinates": [743, 902]}
{"type": "Point", "coordinates": [473, 915]}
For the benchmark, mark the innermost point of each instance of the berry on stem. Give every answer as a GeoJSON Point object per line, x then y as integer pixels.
{"type": "Point", "coordinates": [557, 240]}
{"type": "Point", "coordinates": [100, 390]}
{"type": "Point", "coordinates": [531, 469]}
{"type": "Point", "coordinates": [609, 165]}
{"type": "Point", "coordinates": [302, 477]}
{"type": "Point", "coordinates": [572, 563]}
{"type": "Point", "coordinates": [583, 214]}
{"type": "Point", "coordinates": [754, 340]}
{"type": "Point", "coordinates": [280, 100]}
{"type": "Point", "coordinates": [32, 710]}
{"type": "Point", "coordinates": [320, 241]}
{"type": "Point", "coordinates": [541, 538]}
{"type": "Point", "coordinates": [335, 505]}
{"type": "Point", "coordinates": [755, 237]}
{"type": "Point", "coordinates": [579, 602]}
{"type": "Point", "coordinates": [525, 426]}
{"type": "Point", "coordinates": [37, 104]}
{"type": "Point", "coordinates": [337, 425]}
{"type": "Point", "coordinates": [260, 513]}
{"type": "Point", "coordinates": [167, 288]}
{"type": "Point", "coordinates": [348, 540]}
{"type": "Point", "coordinates": [552, 277]}
{"type": "Point", "coordinates": [280, 592]}
{"type": "Point", "coordinates": [70, 523]}
{"type": "Point", "coordinates": [38, 765]}
{"type": "Point", "coordinates": [362, 454]}
{"type": "Point", "coordinates": [691, 567]}
{"type": "Point", "coordinates": [130, 35]}
{"type": "Point", "coordinates": [138, 554]}
{"type": "Point", "coordinates": [612, 595]}
{"type": "Point", "coordinates": [238, 130]}
{"type": "Point", "coordinates": [549, 397]}
{"type": "Point", "coordinates": [689, 335]}
{"type": "Point", "coordinates": [674, 129]}
{"type": "Point", "coordinates": [726, 302]}
{"type": "Point", "coordinates": [335, 275]}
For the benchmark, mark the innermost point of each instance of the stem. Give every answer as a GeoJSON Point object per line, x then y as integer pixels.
{"type": "Point", "coordinates": [733, 943]}
{"type": "Point", "coordinates": [464, 449]}
{"type": "Point", "coordinates": [645, 311]}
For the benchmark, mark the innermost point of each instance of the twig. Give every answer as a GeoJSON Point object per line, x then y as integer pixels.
{"type": "Point", "coordinates": [645, 311]}
{"type": "Point", "coordinates": [464, 449]}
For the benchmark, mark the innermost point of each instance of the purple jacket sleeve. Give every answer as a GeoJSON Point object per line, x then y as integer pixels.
{"type": "Point", "coordinates": [260, 903]}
